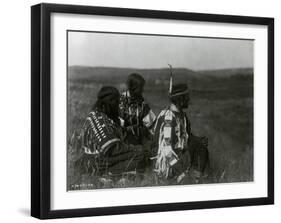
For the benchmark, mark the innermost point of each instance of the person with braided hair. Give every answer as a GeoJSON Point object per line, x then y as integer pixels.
{"type": "Point", "coordinates": [177, 150]}
{"type": "Point", "coordinates": [103, 147]}
{"type": "Point", "coordinates": [138, 117]}
{"type": "Point", "coordinates": [137, 114]}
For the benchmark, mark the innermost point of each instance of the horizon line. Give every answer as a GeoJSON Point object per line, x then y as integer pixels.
{"type": "Point", "coordinates": [161, 68]}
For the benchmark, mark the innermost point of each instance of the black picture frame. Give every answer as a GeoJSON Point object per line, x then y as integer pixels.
{"type": "Point", "coordinates": [41, 106]}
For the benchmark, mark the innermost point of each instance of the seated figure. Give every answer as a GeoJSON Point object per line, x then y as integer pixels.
{"type": "Point", "coordinates": [138, 116]}
{"type": "Point", "coordinates": [177, 150]}
{"type": "Point", "coordinates": [103, 147]}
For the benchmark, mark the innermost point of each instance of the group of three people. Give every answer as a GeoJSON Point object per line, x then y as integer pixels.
{"type": "Point", "coordinates": [122, 133]}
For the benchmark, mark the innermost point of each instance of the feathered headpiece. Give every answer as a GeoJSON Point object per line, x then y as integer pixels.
{"type": "Point", "coordinates": [178, 89]}
{"type": "Point", "coordinates": [171, 80]}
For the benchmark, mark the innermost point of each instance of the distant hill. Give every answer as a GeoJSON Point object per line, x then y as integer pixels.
{"type": "Point", "coordinates": [120, 74]}
{"type": "Point", "coordinates": [161, 75]}
{"type": "Point", "coordinates": [227, 72]}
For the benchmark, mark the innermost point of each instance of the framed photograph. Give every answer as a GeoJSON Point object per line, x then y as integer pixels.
{"type": "Point", "coordinates": [142, 111]}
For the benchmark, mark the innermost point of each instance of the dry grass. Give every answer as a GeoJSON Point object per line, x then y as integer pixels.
{"type": "Point", "coordinates": [221, 109]}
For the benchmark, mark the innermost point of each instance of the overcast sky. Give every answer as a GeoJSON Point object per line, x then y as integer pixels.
{"type": "Point", "coordinates": [146, 51]}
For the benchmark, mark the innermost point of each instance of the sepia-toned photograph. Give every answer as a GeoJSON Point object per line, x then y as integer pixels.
{"type": "Point", "coordinates": [147, 110]}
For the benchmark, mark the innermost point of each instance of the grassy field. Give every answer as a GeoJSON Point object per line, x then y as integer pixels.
{"type": "Point", "coordinates": [221, 108]}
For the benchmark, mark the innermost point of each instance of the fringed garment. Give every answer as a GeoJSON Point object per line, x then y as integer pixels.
{"type": "Point", "coordinates": [176, 148]}
{"type": "Point", "coordinates": [103, 148]}
{"type": "Point", "coordinates": [138, 118]}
